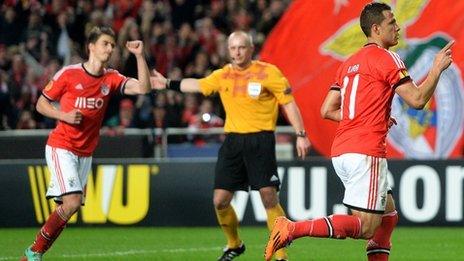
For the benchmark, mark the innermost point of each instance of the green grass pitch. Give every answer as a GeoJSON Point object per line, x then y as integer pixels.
{"type": "Point", "coordinates": [132, 243]}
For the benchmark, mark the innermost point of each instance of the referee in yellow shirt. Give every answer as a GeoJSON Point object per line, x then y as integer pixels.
{"type": "Point", "coordinates": [251, 92]}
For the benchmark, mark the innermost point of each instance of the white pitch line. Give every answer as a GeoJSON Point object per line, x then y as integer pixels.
{"type": "Point", "coordinates": [131, 252]}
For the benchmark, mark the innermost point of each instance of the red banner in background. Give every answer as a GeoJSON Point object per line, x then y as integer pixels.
{"type": "Point", "coordinates": [314, 37]}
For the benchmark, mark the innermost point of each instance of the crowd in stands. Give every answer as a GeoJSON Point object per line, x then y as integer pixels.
{"type": "Point", "coordinates": [183, 38]}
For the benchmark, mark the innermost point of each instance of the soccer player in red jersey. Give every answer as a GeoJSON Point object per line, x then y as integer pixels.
{"type": "Point", "coordinates": [83, 92]}
{"type": "Point", "coordinates": [361, 100]}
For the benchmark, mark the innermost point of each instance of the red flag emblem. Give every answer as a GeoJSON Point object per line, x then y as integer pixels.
{"type": "Point", "coordinates": [314, 37]}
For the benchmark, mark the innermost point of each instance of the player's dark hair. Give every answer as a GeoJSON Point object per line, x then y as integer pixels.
{"type": "Point", "coordinates": [372, 14]}
{"type": "Point", "coordinates": [95, 33]}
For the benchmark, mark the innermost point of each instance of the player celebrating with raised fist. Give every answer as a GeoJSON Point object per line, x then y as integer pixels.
{"type": "Point", "coordinates": [361, 100]}
{"type": "Point", "coordinates": [83, 92]}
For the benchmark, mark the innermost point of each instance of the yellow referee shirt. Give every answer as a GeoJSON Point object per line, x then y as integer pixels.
{"type": "Point", "coordinates": [250, 97]}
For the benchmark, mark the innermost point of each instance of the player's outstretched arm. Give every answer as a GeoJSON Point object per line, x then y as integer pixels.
{"type": "Point", "coordinates": [330, 108]}
{"type": "Point", "coordinates": [417, 96]}
{"type": "Point", "coordinates": [159, 82]}
{"type": "Point", "coordinates": [45, 108]}
{"type": "Point", "coordinates": [142, 84]}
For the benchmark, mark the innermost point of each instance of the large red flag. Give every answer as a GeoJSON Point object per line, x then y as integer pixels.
{"type": "Point", "coordinates": [314, 37]}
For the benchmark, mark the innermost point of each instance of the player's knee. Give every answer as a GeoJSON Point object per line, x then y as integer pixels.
{"type": "Point", "coordinates": [71, 204]}
{"type": "Point", "coordinates": [369, 228]}
{"type": "Point", "coordinates": [269, 202]}
{"type": "Point", "coordinates": [368, 233]}
{"type": "Point", "coordinates": [269, 198]}
{"type": "Point", "coordinates": [220, 203]}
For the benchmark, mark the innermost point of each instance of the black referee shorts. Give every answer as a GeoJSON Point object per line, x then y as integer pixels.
{"type": "Point", "coordinates": [247, 161]}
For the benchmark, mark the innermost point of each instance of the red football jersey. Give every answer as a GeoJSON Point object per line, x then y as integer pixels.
{"type": "Point", "coordinates": [367, 82]}
{"type": "Point", "coordinates": [75, 88]}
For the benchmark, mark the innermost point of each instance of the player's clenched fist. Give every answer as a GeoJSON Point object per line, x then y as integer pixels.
{"type": "Point", "coordinates": [73, 117]}
{"type": "Point", "coordinates": [135, 47]}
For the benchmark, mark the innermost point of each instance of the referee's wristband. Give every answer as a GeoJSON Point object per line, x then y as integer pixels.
{"type": "Point", "coordinates": [173, 85]}
{"type": "Point", "coordinates": [301, 134]}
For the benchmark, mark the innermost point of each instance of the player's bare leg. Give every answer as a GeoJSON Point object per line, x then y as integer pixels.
{"type": "Point", "coordinates": [228, 221]}
{"type": "Point", "coordinates": [378, 247]}
{"type": "Point", "coordinates": [369, 223]}
{"type": "Point", "coordinates": [52, 228]}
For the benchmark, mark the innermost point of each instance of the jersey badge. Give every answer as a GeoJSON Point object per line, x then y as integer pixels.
{"type": "Point", "coordinates": [254, 89]}
{"type": "Point", "coordinates": [104, 89]}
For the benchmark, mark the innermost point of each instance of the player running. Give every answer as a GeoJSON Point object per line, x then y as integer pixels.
{"type": "Point", "coordinates": [83, 92]}
{"type": "Point", "coordinates": [361, 100]}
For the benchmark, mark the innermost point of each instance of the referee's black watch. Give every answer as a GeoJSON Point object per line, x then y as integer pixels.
{"type": "Point", "coordinates": [301, 134]}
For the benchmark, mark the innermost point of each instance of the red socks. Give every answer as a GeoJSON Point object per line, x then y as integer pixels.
{"type": "Point", "coordinates": [378, 247]}
{"type": "Point", "coordinates": [334, 226]}
{"type": "Point", "coordinates": [343, 226]}
{"type": "Point", "coordinates": [49, 231]}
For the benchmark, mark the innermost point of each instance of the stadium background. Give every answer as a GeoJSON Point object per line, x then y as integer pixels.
{"type": "Point", "coordinates": [306, 39]}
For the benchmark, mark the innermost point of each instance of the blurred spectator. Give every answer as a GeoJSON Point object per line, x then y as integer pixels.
{"type": "Point", "coordinates": [26, 121]}
{"type": "Point", "coordinates": [143, 111]}
{"type": "Point", "coordinates": [16, 81]}
{"type": "Point", "coordinates": [125, 119]}
{"type": "Point", "coordinates": [207, 35]}
{"type": "Point", "coordinates": [218, 14]}
{"type": "Point", "coordinates": [116, 61]}
{"type": "Point", "coordinates": [206, 117]}
{"type": "Point", "coordinates": [173, 109]}
{"type": "Point", "coordinates": [64, 43]}
{"type": "Point", "coordinates": [159, 117]}
{"type": "Point", "coordinates": [5, 102]}
{"type": "Point", "coordinates": [174, 103]}
{"type": "Point", "coordinates": [126, 114]}
{"type": "Point", "coordinates": [199, 68]}
{"type": "Point", "coordinates": [10, 28]}
{"type": "Point", "coordinates": [37, 36]}
{"type": "Point", "coordinates": [182, 11]}
{"type": "Point", "coordinates": [187, 45]}
{"type": "Point", "coordinates": [129, 31]}
{"type": "Point", "coordinates": [5, 60]}
{"type": "Point", "coordinates": [158, 47]}
{"type": "Point", "coordinates": [269, 16]}
{"type": "Point", "coordinates": [147, 14]}
{"type": "Point", "coordinates": [190, 108]}
{"type": "Point", "coordinates": [123, 9]}
{"type": "Point", "coordinates": [242, 20]}
{"type": "Point", "coordinates": [160, 103]}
